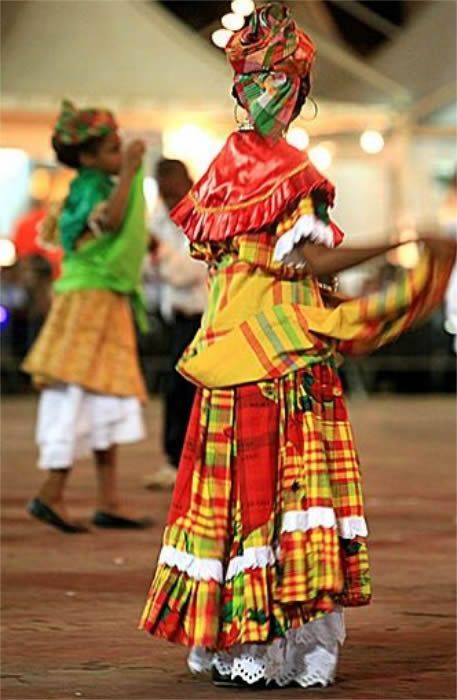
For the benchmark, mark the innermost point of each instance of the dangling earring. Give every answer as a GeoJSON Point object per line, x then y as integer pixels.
{"type": "Point", "coordinates": [243, 124]}
{"type": "Point", "coordinates": [316, 110]}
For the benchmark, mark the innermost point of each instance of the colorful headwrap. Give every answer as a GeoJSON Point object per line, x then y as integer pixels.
{"type": "Point", "coordinates": [270, 57]}
{"type": "Point", "coordinates": [75, 126]}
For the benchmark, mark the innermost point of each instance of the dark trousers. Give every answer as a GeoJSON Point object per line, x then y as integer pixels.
{"type": "Point", "coordinates": [180, 393]}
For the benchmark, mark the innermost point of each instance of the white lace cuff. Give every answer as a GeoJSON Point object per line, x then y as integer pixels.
{"type": "Point", "coordinates": [307, 227]}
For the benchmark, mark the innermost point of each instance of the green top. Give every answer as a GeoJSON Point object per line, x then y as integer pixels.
{"type": "Point", "coordinates": [114, 260]}
{"type": "Point", "coordinates": [89, 188]}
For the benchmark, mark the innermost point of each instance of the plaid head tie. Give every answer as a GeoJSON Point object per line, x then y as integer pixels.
{"type": "Point", "coordinates": [270, 57]}
{"type": "Point", "coordinates": [75, 126]}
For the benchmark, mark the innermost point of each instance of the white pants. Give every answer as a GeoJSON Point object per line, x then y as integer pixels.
{"type": "Point", "coordinates": [72, 422]}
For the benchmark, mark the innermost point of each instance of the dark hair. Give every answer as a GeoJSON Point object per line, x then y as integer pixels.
{"type": "Point", "coordinates": [69, 153]}
{"type": "Point", "coordinates": [303, 94]}
{"type": "Point", "coordinates": [169, 166]}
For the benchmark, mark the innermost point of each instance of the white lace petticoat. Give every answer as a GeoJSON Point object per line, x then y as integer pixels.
{"type": "Point", "coordinates": [307, 656]}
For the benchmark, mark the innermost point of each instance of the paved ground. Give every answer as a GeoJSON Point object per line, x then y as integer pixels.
{"type": "Point", "coordinates": [70, 604]}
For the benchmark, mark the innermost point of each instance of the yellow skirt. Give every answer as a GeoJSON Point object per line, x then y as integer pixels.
{"type": "Point", "coordinates": [88, 339]}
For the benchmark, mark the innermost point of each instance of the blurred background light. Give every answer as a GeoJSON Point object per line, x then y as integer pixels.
{"type": "Point", "coordinates": [192, 144]}
{"type": "Point", "coordinates": [151, 192]}
{"type": "Point", "coordinates": [4, 316]}
{"type": "Point", "coordinates": [243, 7]}
{"type": "Point", "coordinates": [12, 162]}
{"type": "Point", "coordinates": [407, 255]}
{"type": "Point", "coordinates": [232, 21]}
{"type": "Point", "coordinates": [298, 137]}
{"type": "Point", "coordinates": [372, 141]}
{"type": "Point", "coordinates": [321, 157]}
{"type": "Point", "coordinates": [221, 37]}
{"type": "Point", "coordinates": [40, 184]}
{"type": "Point", "coordinates": [7, 252]}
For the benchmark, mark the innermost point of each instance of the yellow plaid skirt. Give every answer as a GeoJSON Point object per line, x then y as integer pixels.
{"type": "Point", "coordinates": [88, 339]}
{"type": "Point", "coordinates": [266, 529]}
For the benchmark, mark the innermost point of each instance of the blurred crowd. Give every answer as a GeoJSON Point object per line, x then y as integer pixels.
{"type": "Point", "coordinates": [175, 290]}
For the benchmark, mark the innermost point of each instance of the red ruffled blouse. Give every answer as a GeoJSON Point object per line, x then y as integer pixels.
{"type": "Point", "coordinates": [248, 187]}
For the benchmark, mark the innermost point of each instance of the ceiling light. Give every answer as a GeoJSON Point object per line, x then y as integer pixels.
{"type": "Point", "coordinates": [243, 7]}
{"type": "Point", "coordinates": [232, 21]}
{"type": "Point", "coordinates": [372, 142]}
{"type": "Point", "coordinates": [221, 37]}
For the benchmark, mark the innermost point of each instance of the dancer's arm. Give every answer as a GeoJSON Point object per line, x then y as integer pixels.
{"type": "Point", "coordinates": [330, 261]}
{"type": "Point", "coordinates": [117, 203]}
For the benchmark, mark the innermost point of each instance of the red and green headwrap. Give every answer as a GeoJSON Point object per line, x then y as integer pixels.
{"type": "Point", "coordinates": [270, 57]}
{"type": "Point", "coordinates": [75, 126]}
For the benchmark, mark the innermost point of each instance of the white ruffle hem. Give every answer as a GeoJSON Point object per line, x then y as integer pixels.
{"type": "Point", "coordinates": [307, 656]}
{"type": "Point", "coordinates": [206, 569]}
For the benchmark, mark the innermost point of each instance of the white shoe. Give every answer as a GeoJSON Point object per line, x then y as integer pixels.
{"type": "Point", "coordinates": [162, 480]}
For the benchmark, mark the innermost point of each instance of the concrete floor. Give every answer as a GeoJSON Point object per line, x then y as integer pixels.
{"type": "Point", "coordinates": [71, 604]}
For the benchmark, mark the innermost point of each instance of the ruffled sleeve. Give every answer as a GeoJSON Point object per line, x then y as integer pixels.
{"type": "Point", "coordinates": [84, 208]}
{"type": "Point", "coordinates": [308, 221]}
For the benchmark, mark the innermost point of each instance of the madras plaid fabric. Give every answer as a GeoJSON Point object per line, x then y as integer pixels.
{"type": "Point", "coordinates": [265, 321]}
{"type": "Point", "coordinates": [269, 58]}
{"type": "Point", "coordinates": [269, 98]}
{"type": "Point", "coordinates": [305, 207]}
{"type": "Point", "coordinates": [75, 126]}
{"type": "Point", "coordinates": [256, 455]}
{"type": "Point", "coordinates": [381, 317]}
{"type": "Point", "coordinates": [210, 435]}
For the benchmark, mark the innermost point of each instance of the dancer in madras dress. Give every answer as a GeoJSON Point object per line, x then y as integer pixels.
{"type": "Point", "coordinates": [265, 541]}
{"type": "Point", "coordinates": [85, 359]}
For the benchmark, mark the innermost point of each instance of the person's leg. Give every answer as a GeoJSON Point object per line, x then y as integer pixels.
{"type": "Point", "coordinates": [110, 512]}
{"type": "Point", "coordinates": [178, 402]}
{"type": "Point", "coordinates": [180, 395]}
{"type": "Point", "coordinates": [185, 394]}
{"type": "Point", "coordinates": [52, 491]}
{"type": "Point", "coordinates": [108, 498]}
{"type": "Point", "coordinates": [168, 431]}
{"type": "Point", "coordinates": [49, 507]}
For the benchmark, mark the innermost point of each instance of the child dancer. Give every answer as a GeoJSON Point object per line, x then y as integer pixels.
{"type": "Point", "coordinates": [85, 358]}
{"type": "Point", "coordinates": [266, 537]}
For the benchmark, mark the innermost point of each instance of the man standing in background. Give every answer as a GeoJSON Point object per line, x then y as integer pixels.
{"type": "Point", "coordinates": [183, 300]}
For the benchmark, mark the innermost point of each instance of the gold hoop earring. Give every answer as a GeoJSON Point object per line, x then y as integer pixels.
{"type": "Point", "coordinates": [316, 110]}
{"type": "Point", "coordinates": [242, 123]}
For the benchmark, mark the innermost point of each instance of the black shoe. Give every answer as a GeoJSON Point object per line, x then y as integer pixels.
{"type": "Point", "coordinates": [42, 512]}
{"type": "Point", "coordinates": [225, 680]}
{"type": "Point", "coordinates": [117, 522]}
{"type": "Point", "coordinates": [313, 686]}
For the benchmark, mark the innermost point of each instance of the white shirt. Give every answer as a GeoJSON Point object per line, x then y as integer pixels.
{"type": "Point", "coordinates": [451, 294]}
{"type": "Point", "coordinates": [184, 286]}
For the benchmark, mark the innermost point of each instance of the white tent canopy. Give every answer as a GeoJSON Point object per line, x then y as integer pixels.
{"type": "Point", "coordinates": [420, 59]}
{"type": "Point", "coordinates": [132, 56]}
{"type": "Point", "coordinates": [128, 53]}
